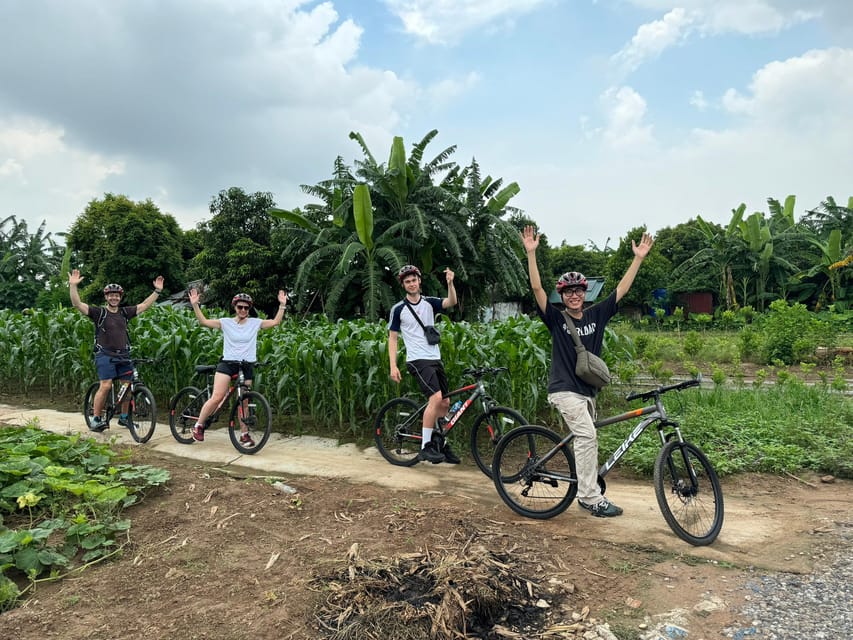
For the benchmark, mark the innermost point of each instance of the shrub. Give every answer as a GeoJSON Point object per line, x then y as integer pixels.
{"type": "Point", "coordinates": [693, 342]}
{"type": "Point", "coordinates": [791, 332]}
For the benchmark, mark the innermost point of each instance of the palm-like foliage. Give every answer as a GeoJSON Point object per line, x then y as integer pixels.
{"type": "Point", "coordinates": [378, 216]}
{"type": "Point", "coordinates": [27, 262]}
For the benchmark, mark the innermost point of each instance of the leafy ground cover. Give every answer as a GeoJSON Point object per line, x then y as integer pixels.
{"type": "Point", "coordinates": [62, 506]}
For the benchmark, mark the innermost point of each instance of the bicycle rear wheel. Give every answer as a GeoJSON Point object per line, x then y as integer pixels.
{"type": "Point", "coordinates": [183, 413]}
{"type": "Point", "coordinates": [252, 412]}
{"type": "Point", "coordinates": [530, 487]}
{"type": "Point", "coordinates": [399, 431]}
{"type": "Point", "coordinates": [689, 493]}
{"type": "Point", "coordinates": [487, 432]}
{"type": "Point", "coordinates": [143, 414]}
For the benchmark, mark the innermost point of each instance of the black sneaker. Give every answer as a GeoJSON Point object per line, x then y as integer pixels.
{"type": "Point", "coordinates": [603, 509]}
{"type": "Point", "coordinates": [431, 453]}
{"type": "Point", "coordinates": [97, 424]}
{"type": "Point", "coordinates": [449, 456]}
{"type": "Point", "coordinates": [124, 420]}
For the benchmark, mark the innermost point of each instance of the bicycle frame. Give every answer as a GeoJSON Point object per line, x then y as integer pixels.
{"type": "Point", "coordinates": [656, 414]}
{"type": "Point", "coordinates": [479, 393]}
{"type": "Point", "coordinates": [233, 388]}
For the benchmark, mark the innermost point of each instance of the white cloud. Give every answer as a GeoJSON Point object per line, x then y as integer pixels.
{"type": "Point", "coordinates": [792, 134]}
{"type": "Point", "coordinates": [446, 21]}
{"type": "Point", "coordinates": [698, 101]}
{"type": "Point", "coordinates": [653, 38]}
{"type": "Point", "coordinates": [625, 110]}
{"type": "Point", "coordinates": [709, 18]}
{"type": "Point", "coordinates": [38, 166]}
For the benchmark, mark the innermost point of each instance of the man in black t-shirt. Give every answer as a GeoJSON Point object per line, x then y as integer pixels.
{"type": "Point", "coordinates": [112, 344]}
{"type": "Point", "coordinates": [572, 396]}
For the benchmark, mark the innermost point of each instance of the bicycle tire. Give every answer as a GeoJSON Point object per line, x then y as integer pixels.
{"type": "Point", "coordinates": [183, 413]}
{"type": "Point", "coordinates": [143, 414]}
{"type": "Point", "coordinates": [257, 418]}
{"type": "Point", "coordinates": [89, 403]}
{"type": "Point", "coordinates": [487, 432]}
{"type": "Point", "coordinates": [693, 511]}
{"type": "Point", "coordinates": [399, 431]}
{"type": "Point", "coordinates": [528, 487]}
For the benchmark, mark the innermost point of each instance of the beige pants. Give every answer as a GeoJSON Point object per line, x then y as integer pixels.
{"type": "Point", "coordinates": [578, 412]}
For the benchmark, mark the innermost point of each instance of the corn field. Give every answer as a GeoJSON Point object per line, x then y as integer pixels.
{"type": "Point", "coordinates": [322, 375]}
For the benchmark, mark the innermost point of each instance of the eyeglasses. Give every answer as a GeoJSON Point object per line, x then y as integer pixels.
{"type": "Point", "coordinates": [577, 291]}
{"type": "Point", "coordinates": [242, 307]}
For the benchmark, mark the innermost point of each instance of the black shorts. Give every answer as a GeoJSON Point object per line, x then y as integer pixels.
{"type": "Point", "coordinates": [232, 368]}
{"type": "Point", "coordinates": [430, 376]}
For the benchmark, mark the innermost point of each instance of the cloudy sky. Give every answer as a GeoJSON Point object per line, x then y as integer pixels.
{"type": "Point", "coordinates": [608, 113]}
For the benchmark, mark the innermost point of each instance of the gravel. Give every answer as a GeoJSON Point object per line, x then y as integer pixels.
{"type": "Point", "coordinates": [817, 606]}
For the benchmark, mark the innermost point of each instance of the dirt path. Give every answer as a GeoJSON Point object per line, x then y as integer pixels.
{"type": "Point", "coordinates": [769, 523]}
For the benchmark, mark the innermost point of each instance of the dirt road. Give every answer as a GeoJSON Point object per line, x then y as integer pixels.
{"type": "Point", "coordinates": [770, 522]}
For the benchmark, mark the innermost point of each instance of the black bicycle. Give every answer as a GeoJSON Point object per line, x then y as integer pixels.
{"type": "Point", "coordinates": [130, 397]}
{"type": "Point", "coordinates": [398, 429]}
{"type": "Point", "coordinates": [250, 422]}
{"type": "Point", "coordinates": [534, 471]}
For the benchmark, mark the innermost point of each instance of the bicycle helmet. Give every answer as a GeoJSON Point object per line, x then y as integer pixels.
{"type": "Point", "coordinates": [408, 270]}
{"type": "Point", "coordinates": [241, 297]}
{"type": "Point", "coordinates": [113, 288]}
{"type": "Point", "coordinates": [571, 279]}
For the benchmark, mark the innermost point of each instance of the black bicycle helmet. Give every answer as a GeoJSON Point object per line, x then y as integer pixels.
{"type": "Point", "coordinates": [408, 270]}
{"type": "Point", "coordinates": [241, 297]}
{"type": "Point", "coordinates": [113, 288]}
{"type": "Point", "coordinates": [570, 280]}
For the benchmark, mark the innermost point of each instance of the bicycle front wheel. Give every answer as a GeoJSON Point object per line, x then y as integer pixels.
{"type": "Point", "coordinates": [184, 410]}
{"type": "Point", "coordinates": [399, 431]}
{"type": "Point", "coordinates": [531, 482]}
{"type": "Point", "coordinates": [89, 403]}
{"type": "Point", "coordinates": [143, 414]}
{"type": "Point", "coordinates": [689, 493]}
{"type": "Point", "coordinates": [253, 413]}
{"type": "Point", "coordinates": [487, 432]}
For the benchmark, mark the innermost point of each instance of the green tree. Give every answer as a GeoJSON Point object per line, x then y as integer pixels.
{"type": "Point", "coordinates": [653, 273]}
{"type": "Point", "coordinates": [27, 263]}
{"type": "Point", "coordinates": [236, 254]}
{"type": "Point", "coordinates": [118, 240]}
{"type": "Point", "coordinates": [679, 244]}
{"type": "Point", "coordinates": [453, 222]}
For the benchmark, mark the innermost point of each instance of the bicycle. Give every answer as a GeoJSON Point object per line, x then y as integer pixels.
{"type": "Point", "coordinates": [142, 408]}
{"type": "Point", "coordinates": [398, 427]}
{"type": "Point", "coordinates": [250, 409]}
{"type": "Point", "coordinates": [534, 471]}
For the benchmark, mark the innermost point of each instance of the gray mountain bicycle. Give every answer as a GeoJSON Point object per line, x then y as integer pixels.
{"type": "Point", "coordinates": [534, 471]}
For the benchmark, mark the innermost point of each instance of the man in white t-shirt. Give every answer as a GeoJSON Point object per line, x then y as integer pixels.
{"type": "Point", "coordinates": [423, 360]}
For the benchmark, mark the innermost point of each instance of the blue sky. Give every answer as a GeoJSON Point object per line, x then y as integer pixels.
{"type": "Point", "coordinates": [609, 114]}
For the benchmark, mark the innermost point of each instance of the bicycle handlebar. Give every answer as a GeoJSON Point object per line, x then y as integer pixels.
{"type": "Point", "coordinates": [654, 393]}
{"type": "Point", "coordinates": [481, 372]}
{"type": "Point", "coordinates": [134, 361]}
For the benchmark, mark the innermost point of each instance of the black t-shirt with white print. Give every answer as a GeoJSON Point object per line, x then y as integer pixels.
{"type": "Point", "coordinates": [563, 357]}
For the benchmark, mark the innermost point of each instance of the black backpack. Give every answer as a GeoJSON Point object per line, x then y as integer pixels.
{"type": "Point", "coordinates": [100, 323]}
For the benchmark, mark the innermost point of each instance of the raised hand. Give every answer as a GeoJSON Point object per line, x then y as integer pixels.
{"type": "Point", "coordinates": [530, 239]}
{"type": "Point", "coordinates": [642, 250]}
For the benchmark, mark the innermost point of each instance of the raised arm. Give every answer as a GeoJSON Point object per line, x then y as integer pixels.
{"type": "Point", "coordinates": [640, 253]}
{"type": "Point", "coordinates": [74, 278]}
{"type": "Point", "coordinates": [205, 322]}
{"type": "Point", "coordinates": [151, 299]}
{"type": "Point", "coordinates": [282, 303]}
{"type": "Point", "coordinates": [450, 300]}
{"type": "Point", "coordinates": [530, 240]}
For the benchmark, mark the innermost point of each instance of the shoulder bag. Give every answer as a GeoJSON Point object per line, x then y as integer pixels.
{"type": "Point", "coordinates": [589, 368]}
{"type": "Point", "coordinates": [431, 334]}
